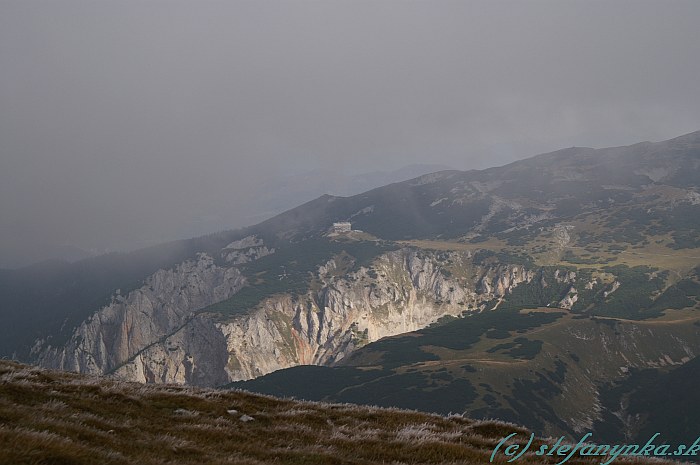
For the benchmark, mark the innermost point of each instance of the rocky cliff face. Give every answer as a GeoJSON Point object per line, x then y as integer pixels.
{"type": "Point", "coordinates": [245, 250]}
{"type": "Point", "coordinates": [128, 325]}
{"type": "Point", "coordinates": [403, 291]}
{"type": "Point", "coordinates": [153, 335]}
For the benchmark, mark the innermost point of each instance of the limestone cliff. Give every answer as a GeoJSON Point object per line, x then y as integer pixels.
{"type": "Point", "coordinates": [130, 323]}
{"type": "Point", "coordinates": [158, 334]}
{"type": "Point", "coordinates": [403, 291]}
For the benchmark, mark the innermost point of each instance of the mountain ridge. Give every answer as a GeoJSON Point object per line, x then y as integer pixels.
{"type": "Point", "coordinates": [607, 236]}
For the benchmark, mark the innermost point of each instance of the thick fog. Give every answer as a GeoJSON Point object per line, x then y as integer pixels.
{"type": "Point", "coordinates": [127, 123]}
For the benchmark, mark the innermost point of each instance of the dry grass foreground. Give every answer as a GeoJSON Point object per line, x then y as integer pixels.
{"type": "Point", "coordinates": [57, 418]}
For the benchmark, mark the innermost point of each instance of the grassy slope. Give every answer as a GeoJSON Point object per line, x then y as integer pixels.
{"type": "Point", "coordinates": [60, 418]}
{"type": "Point", "coordinates": [535, 369]}
{"type": "Point", "coordinates": [514, 366]}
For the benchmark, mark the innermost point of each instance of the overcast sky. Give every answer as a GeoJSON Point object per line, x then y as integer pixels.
{"type": "Point", "coordinates": [124, 123]}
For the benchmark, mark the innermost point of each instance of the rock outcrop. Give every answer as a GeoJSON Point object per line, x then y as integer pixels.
{"type": "Point", "coordinates": [245, 250]}
{"type": "Point", "coordinates": [156, 335]}
{"type": "Point", "coordinates": [403, 291]}
{"type": "Point", "coordinates": [128, 325]}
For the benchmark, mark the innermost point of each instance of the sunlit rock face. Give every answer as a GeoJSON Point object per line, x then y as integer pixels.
{"type": "Point", "coordinates": [155, 334]}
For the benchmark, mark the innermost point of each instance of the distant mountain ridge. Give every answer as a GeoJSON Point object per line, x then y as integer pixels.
{"type": "Point", "coordinates": [279, 194]}
{"type": "Point", "coordinates": [267, 199]}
